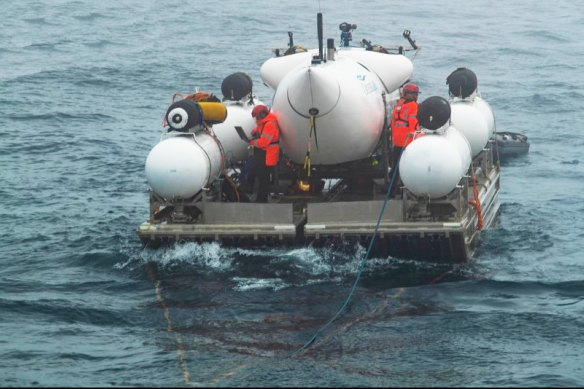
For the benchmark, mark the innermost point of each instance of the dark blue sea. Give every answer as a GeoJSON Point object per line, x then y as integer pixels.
{"type": "Point", "coordinates": [84, 86]}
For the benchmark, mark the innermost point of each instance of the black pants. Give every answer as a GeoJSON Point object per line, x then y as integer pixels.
{"type": "Point", "coordinates": [265, 177]}
{"type": "Point", "coordinates": [263, 173]}
{"type": "Point", "coordinates": [396, 155]}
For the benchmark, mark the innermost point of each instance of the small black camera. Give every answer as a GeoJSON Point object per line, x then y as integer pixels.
{"type": "Point", "coordinates": [347, 27]}
{"type": "Point", "coordinates": [346, 35]}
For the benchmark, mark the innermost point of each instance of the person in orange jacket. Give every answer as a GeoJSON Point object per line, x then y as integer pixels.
{"type": "Point", "coordinates": [404, 123]}
{"type": "Point", "coordinates": [266, 149]}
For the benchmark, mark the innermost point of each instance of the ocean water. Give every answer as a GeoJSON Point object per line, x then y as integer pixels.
{"type": "Point", "coordinates": [83, 89]}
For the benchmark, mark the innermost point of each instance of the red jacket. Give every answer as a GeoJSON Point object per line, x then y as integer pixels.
{"type": "Point", "coordinates": [404, 122]}
{"type": "Point", "coordinates": [269, 138]}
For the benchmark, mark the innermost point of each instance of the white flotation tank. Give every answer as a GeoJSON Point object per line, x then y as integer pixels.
{"type": "Point", "coordinates": [238, 114]}
{"type": "Point", "coordinates": [431, 166]}
{"type": "Point", "coordinates": [463, 89]}
{"type": "Point", "coordinates": [462, 146]}
{"type": "Point", "coordinates": [193, 155]}
{"type": "Point", "coordinates": [471, 123]}
{"type": "Point", "coordinates": [238, 97]}
{"type": "Point", "coordinates": [485, 109]}
{"type": "Point", "coordinates": [179, 166]}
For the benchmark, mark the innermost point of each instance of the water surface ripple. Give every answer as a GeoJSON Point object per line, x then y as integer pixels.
{"type": "Point", "coordinates": [84, 86]}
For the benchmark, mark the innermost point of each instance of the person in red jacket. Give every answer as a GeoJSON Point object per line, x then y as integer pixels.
{"type": "Point", "coordinates": [404, 123]}
{"type": "Point", "coordinates": [266, 149]}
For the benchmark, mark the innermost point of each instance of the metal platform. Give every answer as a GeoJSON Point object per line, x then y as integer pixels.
{"type": "Point", "coordinates": [233, 222]}
{"type": "Point", "coordinates": [440, 230]}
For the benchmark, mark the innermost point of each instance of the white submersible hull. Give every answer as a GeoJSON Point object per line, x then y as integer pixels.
{"type": "Point", "coordinates": [336, 108]}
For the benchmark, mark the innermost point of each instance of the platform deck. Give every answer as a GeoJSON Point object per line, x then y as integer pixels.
{"type": "Point", "coordinates": [445, 230]}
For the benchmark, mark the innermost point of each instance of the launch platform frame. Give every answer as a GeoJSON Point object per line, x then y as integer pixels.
{"type": "Point", "coordinates": [447, 229]}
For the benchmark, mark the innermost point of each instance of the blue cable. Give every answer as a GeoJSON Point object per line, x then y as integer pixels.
{"type": "Point", "coordinates": [361, 266]}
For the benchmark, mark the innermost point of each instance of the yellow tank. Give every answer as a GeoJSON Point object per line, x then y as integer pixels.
{"type": "Point", "coordinates": [213, 112]}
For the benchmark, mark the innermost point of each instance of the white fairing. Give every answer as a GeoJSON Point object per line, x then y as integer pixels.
{"type": "Point", "coordinates": [348, 97]}
{"type": "Point", "coordinates": [431, 166]}
{"type": "Point", "coordinates": [274, 69]}
{"type": "Point", "coordinates": [392, 69]}
{"type": "Point", "coordinates": [238, 114]}
{"type": "Point", "coordinates": [462, 146]}
{"type": "Point", "coordinates": [471, 123]}
{"type": "Point", "coordinates": [180, 166]}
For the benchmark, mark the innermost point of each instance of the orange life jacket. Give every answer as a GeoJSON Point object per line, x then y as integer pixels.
{"type": "Point", "coordinates": [404, 122]}
{"type": "Point", "coordinates": [269, 138]}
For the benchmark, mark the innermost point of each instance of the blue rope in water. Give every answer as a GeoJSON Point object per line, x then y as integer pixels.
{"type": "Point", "coordinates": [361, 266]}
